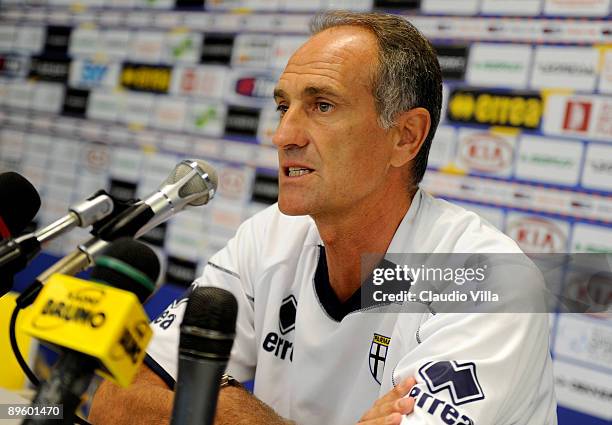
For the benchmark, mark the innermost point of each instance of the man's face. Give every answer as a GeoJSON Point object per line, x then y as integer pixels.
{"type": "Point", "coordinates": [333, 156]}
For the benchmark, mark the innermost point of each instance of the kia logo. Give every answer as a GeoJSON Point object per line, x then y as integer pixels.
{"type": "Point", "coordinates": [486, 152]}
{"type": "Point", "coordinates": [537, 234]}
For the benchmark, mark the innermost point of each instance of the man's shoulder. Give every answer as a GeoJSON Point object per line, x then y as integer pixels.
{"type": "Point", "coordinates": [450, 226]}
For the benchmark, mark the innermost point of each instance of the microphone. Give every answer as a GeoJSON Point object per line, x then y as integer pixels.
{"type": "Point", "coordinates": [207, 335]}
{"type": "Point", "coordinates": [191, 183]}
{"type": "Point", "coordinates": [20, 203]}
{"type": "Point", "coordinates": [99, 327]}
{"type": "Point", "coordinates": [15, 254]}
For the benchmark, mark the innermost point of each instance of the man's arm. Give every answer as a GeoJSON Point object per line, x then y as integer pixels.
{"type": "Point", "coordinates": [148, 401]}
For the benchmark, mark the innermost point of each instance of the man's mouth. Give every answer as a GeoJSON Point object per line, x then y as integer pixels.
{"type": "Point", "coordinates": [297, 171]}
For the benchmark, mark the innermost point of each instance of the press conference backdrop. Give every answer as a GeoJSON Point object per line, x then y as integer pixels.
{"type": "Point", "coordinates": [112, 93]}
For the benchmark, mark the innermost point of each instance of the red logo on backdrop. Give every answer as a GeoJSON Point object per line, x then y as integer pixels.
{"type": "Point", "coordinates": [261, 87]}
{"type": "Point", "coordinates": [232, 183]}
{"type": "Point", "coordinates": [245, 86]}
{"type": "Point", "coordinates": [486, 152]}
{"type": "Point", "coordinates": [536, 234]}
{"type": "Point", "coordinates": [577, 116]}
{"type": "Point", "coordinates": [188, 82]}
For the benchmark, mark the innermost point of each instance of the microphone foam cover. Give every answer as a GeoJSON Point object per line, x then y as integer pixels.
{"type": "Point", "coordinates": [210, 309]}
{"type": "Point", "coordinates": [20, 201]}
{"type": "Point", "coordinates": [135, 254]}
{"type": "Point", "coordinates": [195, 184]}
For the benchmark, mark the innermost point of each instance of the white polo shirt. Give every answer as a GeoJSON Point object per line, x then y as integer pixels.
{"type": "Point", "coordinates": [318, 361]}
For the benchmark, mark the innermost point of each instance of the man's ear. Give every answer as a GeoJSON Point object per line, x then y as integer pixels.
{"type": "Point", "coordinates": [412, 128]}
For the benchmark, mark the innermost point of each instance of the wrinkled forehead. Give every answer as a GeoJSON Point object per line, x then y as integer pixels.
{"type": "Point", "coordinates": [345, 57]}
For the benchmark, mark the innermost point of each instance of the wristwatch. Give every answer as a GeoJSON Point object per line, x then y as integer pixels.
{"type": "Point", "coordinates": [229, 381]}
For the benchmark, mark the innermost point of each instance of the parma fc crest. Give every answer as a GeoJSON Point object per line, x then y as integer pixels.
{"type": "Point", "coordinates": [378, 355]}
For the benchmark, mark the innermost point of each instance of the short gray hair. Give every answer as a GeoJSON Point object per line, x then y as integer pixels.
{"type": "Point", "coordinates": [408, 74]}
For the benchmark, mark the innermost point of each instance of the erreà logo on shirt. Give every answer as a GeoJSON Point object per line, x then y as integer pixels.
{"type": "Point", "coordinates": [277, 344]}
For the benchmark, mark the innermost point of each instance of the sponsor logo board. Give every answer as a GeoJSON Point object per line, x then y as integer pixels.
{"type": "Point", "coordinates": [453, 61]}
{"type": "Point", "coordinates": [588, 238]}
{"type": "Point", "coordinates": [180, 271]}
{"type": "Point", "coordinates": [217, 48]}
{"type": "Point", "coordinates": [537, 234]}
{"type": "Point", "coordinates": [57, 40]}
{"type": "Point", "coordinates": [7, 37]}
{"type": "Point", "coordinates": [585, 339]}
{"type": "Point", "coordinates": [235, 182]}
{"type": "Point", "coordinates": [115, 43]}
{"type": "Point", "coordinates": [514, 8]}
{"type": "Point", "coordinates": [485, 152]}
{"type": "Point", "coordinates": [242, 121]}
{"type": "Point", "coordinates": [148, 78]}
{"type": "Point", "coordinates": [582, 389]}
{"type": "Point", "coordinates": [47, 69]}
{"type": "Point", "coordinates": [87, 73]}
{"type": "Point", "coordinates": [250, 88]}
{"type": "Point", "coordinates": [499, 65]}
{"type": "Point", "coordinates": [268, 122]}
{"type": "Point", "coordinates": [14, 66]}
{"type": "Point", "coordinates": [284, 47]}
{"type": "Point", "coordinates": [583, 116]}
{"type": "Point", "coordinates": [577, 7]}
{"type": "Point", "coordinates": [147, 46]}
{"type": "Point", "coordinates": [253, 50]}
{"type": "Point", "coordinates": [48, 97]}
{"type": "Point", "coordinates": [511, 109]}
{"type": "Point", "coordinates": [450, 7]}
{"type": "Point", "coordinates": [104, 105]}
{"type": "Point", "coordinates": [597, 170]}
{"type": "Point", "coordinates": [565, 67]}
{"type": "Point", "coordinates": [183, 47]}
{"type": "Point", "coordinates": [265, 188]}
{"type": "Point", "coordinates": [443, 146]}
{"type": "Point", "coordinates": [200, 81]}
{"type": "Point", "coordinates": [170, 113]}
{"type": "Point", "coordinates": [137, 109]}
{"type": "Point", "coordinates": [84, 42]}
{"type": "Point", "coordinates": [29, 39]}
{"type": "Point", "coordinates": [206, 118]}
{"type": "Point", "coordinates": [396, 4]}
{"type": "Point", "coordinates": [549, 160]}
{"type": "Point", "coordinates": [605, 77]}
{"type": "Point", "coordinates": [75, 102]}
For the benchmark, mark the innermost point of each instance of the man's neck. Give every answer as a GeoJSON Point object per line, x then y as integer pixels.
{"type": "Point", "coordinates": [362, 231]}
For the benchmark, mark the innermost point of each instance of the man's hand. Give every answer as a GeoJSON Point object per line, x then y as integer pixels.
{"type": "Point", "coordinates": [389, 409]}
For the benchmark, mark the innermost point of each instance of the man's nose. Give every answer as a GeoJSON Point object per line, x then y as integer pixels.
{"type": "Point", "coordinates": [291, 130]}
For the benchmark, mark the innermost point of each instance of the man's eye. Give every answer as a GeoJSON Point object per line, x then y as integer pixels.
{"type": "Point", "coordinates": [282, 109]}
{"type": "Point", "coordinates": [324, 106]}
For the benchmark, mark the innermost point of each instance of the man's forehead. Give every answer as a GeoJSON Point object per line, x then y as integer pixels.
{"type": "Point", "coordinates": [333, 59]}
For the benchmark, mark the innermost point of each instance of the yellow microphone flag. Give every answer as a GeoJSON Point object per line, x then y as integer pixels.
{"type": "Point", "coordinates": [94, 319]}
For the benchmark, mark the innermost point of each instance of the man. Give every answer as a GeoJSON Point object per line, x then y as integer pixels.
{"type": "Point", "coordinates": [359, 105]}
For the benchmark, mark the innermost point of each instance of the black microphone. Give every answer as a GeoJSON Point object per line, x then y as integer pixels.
{"type": "Point", "coordinates": [128, 265]}
{"type": "Point", "coordinates": [15, 254]}
{"type": "Point", "coordinates": [191, 183]}
{"type": "Point", "coordinates": [20, 203]}
{"type": "Point", "coordinates": [207, 335]}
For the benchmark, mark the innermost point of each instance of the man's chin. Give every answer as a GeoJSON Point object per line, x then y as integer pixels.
{"type": "Point", "coordinates": [288, 207]}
